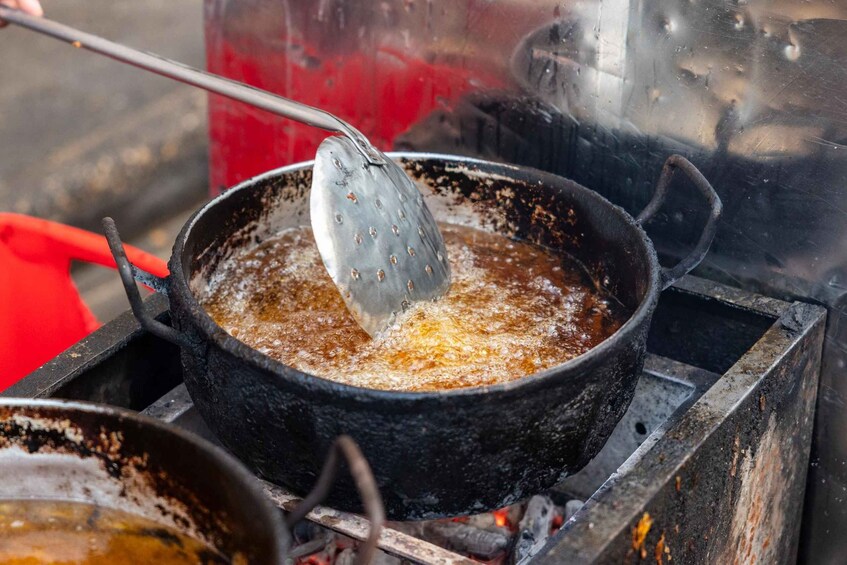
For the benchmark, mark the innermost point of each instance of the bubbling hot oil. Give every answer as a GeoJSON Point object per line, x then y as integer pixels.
{"type": "Point", "coordinates": [513, 309]}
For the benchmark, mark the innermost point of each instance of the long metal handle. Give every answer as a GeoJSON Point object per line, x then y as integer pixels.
{"type": "Point", "coordinates": [189, 75]}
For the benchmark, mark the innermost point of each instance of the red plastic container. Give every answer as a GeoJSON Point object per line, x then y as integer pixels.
{"type": "Point", "coordinates": [381, 93]}
{"type": "Point", "coordinates": [41, 311]}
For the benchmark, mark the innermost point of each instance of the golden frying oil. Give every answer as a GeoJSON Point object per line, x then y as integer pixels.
{"type": "Point", "coordinates": [513, 309]}
{"type": "Point", "coordinates": [72, 533]}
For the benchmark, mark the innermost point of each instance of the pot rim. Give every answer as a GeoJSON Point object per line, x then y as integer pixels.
{"type": "Point", "coordinates": [179, 284]}
{"type": "Point", "coordinates": [228, 462]}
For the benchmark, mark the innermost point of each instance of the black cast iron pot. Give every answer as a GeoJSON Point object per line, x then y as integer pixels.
{"type": "Point", "coordinates": [433, 453]}
{"type": "Point", "coordinates": [107, 457]}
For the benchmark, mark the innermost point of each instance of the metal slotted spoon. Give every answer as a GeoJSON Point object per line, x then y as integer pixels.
{"type": "Point", "coordinates": [376, 236]}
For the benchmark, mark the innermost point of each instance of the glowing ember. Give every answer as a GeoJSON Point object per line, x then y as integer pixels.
{"type": "Point", "coordinates": [313, 560]}
{"type": "Point", "coordinates": [501, 517]}
{"type": "Point", "coordinates": [558, 521]}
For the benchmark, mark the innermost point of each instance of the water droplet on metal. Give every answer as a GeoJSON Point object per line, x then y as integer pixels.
{"type": "Point", "coordinates": [380, 275]}
{"type": "Point", "coordinates": [440, 256]}
{"type": "Point", "coordinates": [792, 52]}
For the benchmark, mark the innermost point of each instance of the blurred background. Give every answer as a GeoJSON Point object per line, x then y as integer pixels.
{"type": "Point", "coordinates": [84, 136]}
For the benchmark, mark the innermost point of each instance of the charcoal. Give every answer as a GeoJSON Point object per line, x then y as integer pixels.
{"type": "Point", "coordinates": [346, 557]}
{"type": "Point", "coordinates": [305, 530]}
{"type": "Point", "coordinates": [515, 512]}
{"type": "Point", "coordinates": [534, 528]}
{"type": "Point", "coordinates": [469, 539]}
{"type": "Point", "coordinates": [310, 547]}
{"type": "Point", "coordinates": [571, 508]}
{"type": "Point", "coordinates": [483, 521]}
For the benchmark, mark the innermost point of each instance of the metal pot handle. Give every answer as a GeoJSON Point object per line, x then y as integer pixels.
{"type": "Point", "coordinates": [129, 274]}
{"type": "Point", "coordinates": [365, 483]}
{"type": "Point", "coordinates": [670, 275]}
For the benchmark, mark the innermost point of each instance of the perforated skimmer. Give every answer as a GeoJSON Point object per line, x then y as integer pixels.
{"type": "Point", "coordinates": [375, 235]}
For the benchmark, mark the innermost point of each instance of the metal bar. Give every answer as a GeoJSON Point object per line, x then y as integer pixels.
{"type": "Point", "coordinates": [756, 418]}
{"type": "Point", "coordinates": [746, 300]}
{"type": "Point", "coordinates": [356, 527]}
{"type": "Point", "coordinates": [189, 75]}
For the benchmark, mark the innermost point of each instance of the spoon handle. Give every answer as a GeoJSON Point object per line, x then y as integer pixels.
{"type": "Point", "coordinates": [189, 75]}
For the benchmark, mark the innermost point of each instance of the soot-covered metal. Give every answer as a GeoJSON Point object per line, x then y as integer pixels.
{"type": "Point", "coordinates": [60, 450]}
{"type": "Point", "coordinates": [453, 452]}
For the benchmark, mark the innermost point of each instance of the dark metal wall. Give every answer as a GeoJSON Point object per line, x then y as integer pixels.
{"type": "Point", "coordinates": [752, 91]}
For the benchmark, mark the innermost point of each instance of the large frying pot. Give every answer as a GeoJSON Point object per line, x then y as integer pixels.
{"type": "Point", "coordinates": [433, 453]}
{"type": "Point", "coordinates": [100, 455]}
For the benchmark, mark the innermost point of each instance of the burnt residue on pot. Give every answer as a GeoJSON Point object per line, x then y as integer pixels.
{"type": "Point", "coordinates": [526, 204]}
{"type": "Point", "coordinates": [66, 451]}
{"type": "Point", "coordinates": [247, 227]}
{"type": "Point", "coordinates": [449, 452]}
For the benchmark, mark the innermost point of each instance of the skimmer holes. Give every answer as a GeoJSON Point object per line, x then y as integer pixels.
{"type": "Point", "coordinates": [338, 218]}
{"type": "Point", "coordinates": [378, 203]}
{"type": "Point", "coordinates": [411, 251]}
{"type": "Point", "coordinates": [393, 259]}
{"type": "Point", "coordinates": [372, 231]}
{"type": "Point", "coordinates": [358, 238]}
{"type": "Point", "coordinates": [410, 285]}
{"type": "Point", "coordinates": [394, 229]}
{"type": "Point", "coordinates": [428, 270]}
{"type": "Point", "coordinates": [355, 274]}
{"type": "Point", "coordinates": [352, 198]}
{"type": "Point", "coordinates": [380, 275]}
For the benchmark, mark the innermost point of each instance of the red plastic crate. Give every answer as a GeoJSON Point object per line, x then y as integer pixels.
{"type": "Point", "coordinates": [41, 311]}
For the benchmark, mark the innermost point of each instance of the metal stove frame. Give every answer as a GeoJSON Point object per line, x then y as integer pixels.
{"type": "Point", "coordinates": [708, 465]}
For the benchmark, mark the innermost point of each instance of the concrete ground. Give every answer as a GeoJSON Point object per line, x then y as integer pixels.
{"type": "Point", "coordinates": [82, 136]}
